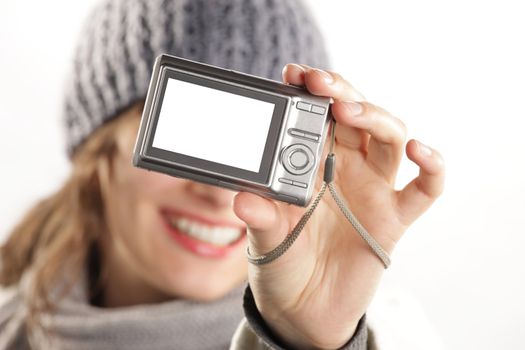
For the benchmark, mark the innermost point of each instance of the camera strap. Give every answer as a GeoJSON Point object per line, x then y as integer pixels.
{"type": "Point", "coordinates": [292, 236]}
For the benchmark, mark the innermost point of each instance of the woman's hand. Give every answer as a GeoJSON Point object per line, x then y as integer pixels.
{"type": "Point", "coordinates": [315, 294]}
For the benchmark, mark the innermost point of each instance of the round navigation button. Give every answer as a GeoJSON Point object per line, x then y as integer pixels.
{"type": "Point", "coordinates": [298, 159]}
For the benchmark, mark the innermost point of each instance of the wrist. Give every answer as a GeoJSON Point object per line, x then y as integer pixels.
{"type": "Point", "coordinates": [308, 334]}
{"type": "Point", "coordinates": [291, 337]}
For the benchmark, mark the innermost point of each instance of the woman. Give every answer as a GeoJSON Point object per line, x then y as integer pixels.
{"type": "Point", "coordinates": [124, 258]}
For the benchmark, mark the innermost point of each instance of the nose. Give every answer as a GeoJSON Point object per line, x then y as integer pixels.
{"type": "Point", "coordinates": [216, 196]}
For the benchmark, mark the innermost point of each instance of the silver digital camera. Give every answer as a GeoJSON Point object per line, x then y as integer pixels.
{"type": "Point", "coordinates": [233, 130]}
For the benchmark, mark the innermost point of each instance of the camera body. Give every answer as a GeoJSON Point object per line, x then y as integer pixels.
{"type": "Point", "coordinates": [232, 130]}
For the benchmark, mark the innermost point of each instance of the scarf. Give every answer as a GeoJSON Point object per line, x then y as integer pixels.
{"type": "Point", "coordinates": [75, 324]}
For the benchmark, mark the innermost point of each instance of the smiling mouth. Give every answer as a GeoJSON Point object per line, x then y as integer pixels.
{"type": "Point", "coordinates": [217, 236]}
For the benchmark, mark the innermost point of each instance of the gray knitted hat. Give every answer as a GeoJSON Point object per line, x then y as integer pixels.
{"type": "Point", "coordinates": [121, 38]}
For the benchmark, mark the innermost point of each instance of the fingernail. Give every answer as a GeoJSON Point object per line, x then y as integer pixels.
{"type": "Point", "coordinates": [327, 77]}
{"type": "Point", "coordinates": [295, 65]}
{"type": "Point", "coordinates": [298, 66]}
{"type": "Point", "coordinates": [424, 150]}
{"type": "Point", "coordinates": [354, 108]}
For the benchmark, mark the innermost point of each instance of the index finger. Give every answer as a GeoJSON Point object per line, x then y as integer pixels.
{"type": "Point", "coordinates": [321, 83]}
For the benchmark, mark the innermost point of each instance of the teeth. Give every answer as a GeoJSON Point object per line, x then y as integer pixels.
{"type": "Point", "coordinates": [214, 235]}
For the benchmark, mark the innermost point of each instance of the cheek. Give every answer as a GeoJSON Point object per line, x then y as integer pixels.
{"type": "Point", "coordinates": [137, 196]}
{"type": "Point", "coordinates": [143, 184]}
{"type": "Point", "coordinates": [138, 187]}
{"type": "Point", "coordinates": [149, 183]}
{"type": "Point", "coordinates": [132, 205]}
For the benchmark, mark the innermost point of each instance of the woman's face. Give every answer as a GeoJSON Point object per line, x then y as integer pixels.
{"type": "Point", "coordinates": [168, 237]}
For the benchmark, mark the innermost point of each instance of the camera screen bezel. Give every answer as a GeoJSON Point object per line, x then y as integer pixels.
{"type": "Point", "coordinates": [218, 170]}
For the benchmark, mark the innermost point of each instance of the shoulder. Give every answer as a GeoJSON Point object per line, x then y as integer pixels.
{"type": "Point", "coordinates": [12, 318]}
{"type": "Point", "coordinates": [9, 302]}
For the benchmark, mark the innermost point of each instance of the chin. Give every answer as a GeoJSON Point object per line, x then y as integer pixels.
{"type": "Point", "coordinates": [205, 292]}
{"type": "Point", "coordinates": [194, 278]}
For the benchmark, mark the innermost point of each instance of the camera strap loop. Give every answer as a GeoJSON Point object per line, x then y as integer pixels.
{"type": "Point", "coordinates": [292, 236]}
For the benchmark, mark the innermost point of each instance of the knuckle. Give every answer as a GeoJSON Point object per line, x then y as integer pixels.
{"type": "Point", "coordinates": [430, 192]}
{"type": "Point", "coordinates": [395, 130]}
{"type": "Point", "coordinates": [439, 158]}
{"type": "Point", "coordinates": [338, 77]}
{"type": "Point", "coordinates": [403, 130]}
{"type": "Point", "coordinates": [437, 191]}
{"type": "Point", "coordinates": [438, 164]}
{"type": "Point", "coordinates": [345, 90]}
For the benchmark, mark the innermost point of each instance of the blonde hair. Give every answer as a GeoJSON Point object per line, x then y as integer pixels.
{"type": "Point", "coordinates": [58, 235]}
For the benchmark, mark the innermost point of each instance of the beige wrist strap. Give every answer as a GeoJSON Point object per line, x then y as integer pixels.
{"type": "Point", "coordinates": [291, 237]}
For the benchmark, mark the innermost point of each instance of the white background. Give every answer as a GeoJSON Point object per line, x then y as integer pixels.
{"type": "Point", "coordinates": [453, 71]}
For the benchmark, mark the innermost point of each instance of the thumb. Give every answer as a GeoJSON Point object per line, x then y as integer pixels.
{"type": "Point", "coordinates": [263, 217]}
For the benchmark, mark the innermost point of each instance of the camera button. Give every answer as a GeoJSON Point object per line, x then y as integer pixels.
{"type": "Point", "coordinates": [285, 181]}
{"type": "Point", "coordinates": [295, 132]}
{"type": "Point", "coordinates": [304, 106]}
{"type": "Point", "coordinates": [300, 184]}
{"type": "Point", "coordinates": [298, 158]}
{"type": "Point", "coordinates": [304, 134]}
{"type": "Point", "coordinates": [318, 109]}
{"type": "Point", "coordinates": [312, 137]}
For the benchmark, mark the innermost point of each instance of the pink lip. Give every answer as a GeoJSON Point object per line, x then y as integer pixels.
{"type": "Point", "coordinates": [198, 247]}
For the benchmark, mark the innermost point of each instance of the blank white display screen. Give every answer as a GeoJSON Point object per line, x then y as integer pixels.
{"type": "Point", "coordinates": [213, 125]}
